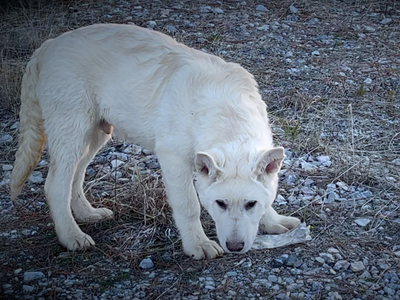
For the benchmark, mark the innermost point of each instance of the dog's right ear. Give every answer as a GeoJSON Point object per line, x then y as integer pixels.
{"type": "Point", "coordinates": [206, 165]}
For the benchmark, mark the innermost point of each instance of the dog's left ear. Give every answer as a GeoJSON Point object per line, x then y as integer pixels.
{"type": "Point", "coordinates": [270, 161]}
{"type": "Point", "coordinates": [206, 165]}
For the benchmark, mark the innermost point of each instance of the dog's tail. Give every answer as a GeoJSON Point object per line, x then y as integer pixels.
{"type": "Point", "coordinates": [32, 136]}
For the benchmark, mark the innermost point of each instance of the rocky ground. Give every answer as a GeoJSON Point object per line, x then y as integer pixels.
{"type": "Point", "coordinates": [329, 72]}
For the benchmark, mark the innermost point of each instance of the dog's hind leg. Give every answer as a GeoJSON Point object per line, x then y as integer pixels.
{"type": "Point", "coordinates": [68, 143]}
{"type": "Point", "coordinates": [81, 208]}
{"type": "Point", "coordinates": [272, 222]}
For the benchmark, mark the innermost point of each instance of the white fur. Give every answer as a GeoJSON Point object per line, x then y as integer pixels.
{"type": "Point", "coordinates": [194, 110]}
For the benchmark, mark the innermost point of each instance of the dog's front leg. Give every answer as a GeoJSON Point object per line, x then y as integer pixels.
{"type": "Point", "coordinates": [272, 222]}
{"type": "Point", "coordinates": [182, 197]}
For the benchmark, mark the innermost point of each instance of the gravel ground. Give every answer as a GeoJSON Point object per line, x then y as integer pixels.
{"type": "Point", "coordinates": [329, 72]}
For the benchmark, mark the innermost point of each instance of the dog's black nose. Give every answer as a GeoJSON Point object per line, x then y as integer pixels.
{"type": "Point", "coordinates": [235, 246]}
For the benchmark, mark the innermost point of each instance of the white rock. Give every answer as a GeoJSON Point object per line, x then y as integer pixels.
{"type": "Point", "coordinates": [293, 9]}
{"type": "Point", "coordinates": [7, 167]}
{"type": "Point", "coordinates": [15, 126]}
{"type": "Point", "coordinates": [362, 222]}
{"type": "Point", "coordinates": [315, 53]}
{"type": "Point", "coordinates": [263, 28]}
{"type": "Point", "coordinates": [386, 21]}
{"type": "Point", "coordinates": [151, 24]}
{"type": "Point", "coordinates": [261, 8]}
{"type": "Point", "coordinates": [28, 288]}
{"type": "Point", "coordinates": [36, 177]}
{"type": "Point", "coordinates": [369, 28]}
{"type": "Point", "coordinates": [396, 161]}
{"type": "Point", "coordinates": [368, 81]}
{"type": "Point", "coordinates": [146, 263]}
{"type": "Point", "coordinates": [357, 266]}
{"type": "Point", "coordinates": [6, 139]}
{"type": "Point", "coordinates": [307, 166]}
{"type": "Point", "coordinates": [218, 10]}
{"type": "Point", "coordinates": [31, 276]}
{"type": "Point", "coordinates": [116, 163]}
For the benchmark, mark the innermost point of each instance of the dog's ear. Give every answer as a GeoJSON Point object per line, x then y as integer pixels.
{"type": "Point", "coordinates": [270, 161]}
{"type": "Point", "coordinates": [206, 165]}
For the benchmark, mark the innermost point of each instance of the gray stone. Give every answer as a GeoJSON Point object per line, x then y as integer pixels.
{"type": "Point", "coordinates": [15, 126]}
{"type": "Point", "coordinates": [116, 163]}
{"type": "Point", "coordinates": [327, 257]}
{"type": "Point", "coordinates": [272, 278]}
{"type": "Point", "coordinates": [36, 177]}
{"type": "Point", "coordinates": [28, 288]}
{"type": "Point", "coordinates": [293, 9]}
{"type": "Point", "coordinates": [263, 28]}
{"type": "Point", "coordinates": [218, 10]}
{"type": "Point", "coordinates": [315, 53]}
{"type": "Point", "coordinates": [362, 222]}
{"type": "Point", "coordinates": [341, 265]}
{"type": "Point", "coordinates": [386, 21]}
{"type": "Point", "coordinates": [31, 276]}
{"type": "Point", "coordinates": [7, 167]}
{"type": "Point", "coordinates": [369, 28]}
{"type": "Point", "coordinates": [171, 29]}
{"type": "Point", "coordinates": [146, 263]}
{"type": "Point", "coordinates": [357, 266]}
{"type": "Point", "coordinates": [261, 8]}
{"type": "Point", "coordinates": [6, 139]}
{"type": "Point", "coordinates": [368, 81]}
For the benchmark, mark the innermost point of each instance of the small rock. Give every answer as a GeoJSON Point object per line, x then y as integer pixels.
{"type": "Point", "coordinates": [6, 139]}
{"type": "Point", "coordinates": [320, 260]}
{"type": "Point", "coordinates": [362, 222]}
{"type": "Point", "coordinates": [291, 260]}
{"type": "Point", "coordinates": [357, 266]}
{"type": "Point", "coordinates": [151, 24]}
{"type": "Point", "coordinates": [28, 288]}
{"type": "Point", "coordinates": [396, 161]}
{"type": "Point", "coordinates": [146, 263]}
{"type": "Point", "coordinates": [368, 81]}
{"type": "Point", "coordinates": [397, 253]}
{"type": "Point", "coordinates": [171, 29]}
{"type": "Point", "coordinates": [334, 296]}
{"type": "Point", "coordinates": [218, 10]}
{"type": "Point", "coordinates": [386, 21]}
{"type": "Point", "coordinates": [205, 9]}
{"type": "Point", "coordinates": [7, 167]}
{"type": "Point", "coordinates": [365, 275]}
{"type": "Point", "coordinates": [17, 271]}
{"type": "Point", "coordinates": [263, 28]}
{"type": "Point", "coordinates": [31, 276]}
{"type": "Point", "coordinates": [261, 8]}
{"type": "Point", "coordinates": [69, 282]}
{"type": "Point", "coordinates": [272, 278]}
{"type": "Point", "coordinates": [307, 166]}
{"type": "Point", "coordinates": [327, 257]}
{"type": "Point", "coordinates": [369, 28]}
{"type": "Point", "coordinates": [116, 163]}
{"type": "Point", "coordinates": [315, 53]}
{"type": "Point", "coordinates": [324, 160]}
{"type": "Point", "coordinates": [293, 9]}
{"type": "Point", "coordinates": [36, 177]}
{"type": "Point", "coordinates": [15, 126]}
{"type": "Point", "coordinates": [341, 265]}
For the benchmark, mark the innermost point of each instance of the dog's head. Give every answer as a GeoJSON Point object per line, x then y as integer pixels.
{"type": "Point", "coordinates": [236, 193]}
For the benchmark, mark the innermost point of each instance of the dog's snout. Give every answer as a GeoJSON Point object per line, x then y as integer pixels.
{"type": "Point", "coordinates": [235, 246]}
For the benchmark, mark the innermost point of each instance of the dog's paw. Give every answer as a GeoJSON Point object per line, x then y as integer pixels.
{"type": "Point", "coordinates": [77, 241]}
{"type": "Point", "coordinates": [94, 215]}
{"type": "Point", "coordinates": [282, 224]}
{"type": "Point", "coordinates": [204, 249]}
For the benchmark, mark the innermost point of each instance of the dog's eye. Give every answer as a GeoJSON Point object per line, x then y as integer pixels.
{"type": "Point", "coordinates": [250, 205]}
{"type": "Point", "coordinates": [221, 204]}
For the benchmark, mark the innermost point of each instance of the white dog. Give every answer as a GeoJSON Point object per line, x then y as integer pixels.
{"type": "Point", "coordinates": [203, 118]}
